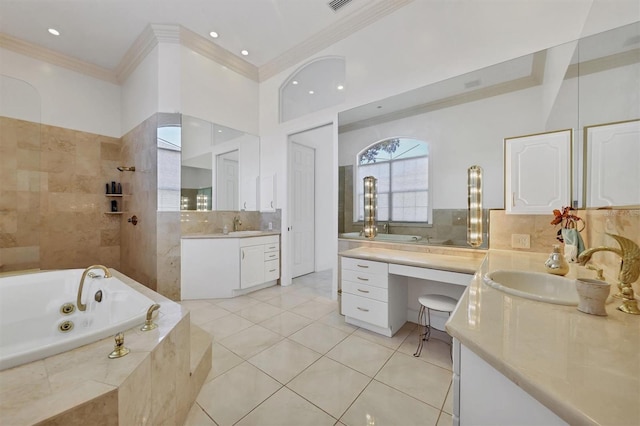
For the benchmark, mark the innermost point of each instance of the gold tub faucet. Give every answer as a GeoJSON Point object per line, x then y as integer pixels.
{"type": "Point", "coordinates": [81, 306]}
{"type": "Point", "coordinates": [629, 270]}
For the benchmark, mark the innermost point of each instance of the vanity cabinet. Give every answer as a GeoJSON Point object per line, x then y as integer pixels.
{"type": "Point", "coordinates": [538, 172]}
{"type": "Point", "coordinates": [259, 263]}
{"type": "Point", "coordinates": [370, 297]}
{"type": "Point", "coordinates": [483, 395]}
{"type": "Point", "coordinates": [223, 267]}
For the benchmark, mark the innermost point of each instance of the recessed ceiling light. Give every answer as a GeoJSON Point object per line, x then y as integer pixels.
{"type": "Point", "coordinates": [311, 92]}
{"type": "Point", "coordinates": [219, 131]}
{"type": "Point", "coordinates": [294, 82]}
{"type": "Point", "coordinates": [54, 31]}
{"type": "Point", "coordinates": [244, 52]}
{"type": "Point", "coordinates": [341, 87]}
{"type": "Point", "coordinates": [213, 34]}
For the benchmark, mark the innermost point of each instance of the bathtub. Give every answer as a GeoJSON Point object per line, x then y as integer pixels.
{"type": "Point", "coordinates": [31, 318]}
{"type": "Point", "coordinates": [399, 238]}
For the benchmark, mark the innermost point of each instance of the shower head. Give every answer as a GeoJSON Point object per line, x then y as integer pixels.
{"type": "Point", "coordinates": [126, 169]}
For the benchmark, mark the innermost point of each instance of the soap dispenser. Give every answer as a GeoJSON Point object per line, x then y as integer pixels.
{"type": "Point", "coordinates": [556, 264]}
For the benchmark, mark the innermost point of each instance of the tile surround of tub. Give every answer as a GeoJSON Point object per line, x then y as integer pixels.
{"type": "Point", "coordinates": [52, 196]}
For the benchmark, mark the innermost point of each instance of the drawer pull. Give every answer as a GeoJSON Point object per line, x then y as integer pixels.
{"type": "Point", "coordinates": [362, 266]}
{"type": "Point", "coordinates": [272, 255]}
{"type": "Point", "coordinates": [363, 309]}
{"type": "Point", "coordinates": [272, 270]}
{"type": "Point", "coordinates": [363, 291]}
{"type": "Point", "coordinates": [363, 279]}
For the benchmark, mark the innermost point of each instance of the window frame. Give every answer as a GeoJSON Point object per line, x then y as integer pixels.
{"type": "Point", "coordinates": [428, 156]}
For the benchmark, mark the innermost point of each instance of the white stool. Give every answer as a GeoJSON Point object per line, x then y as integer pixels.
{"type": "Point", "coordinates": [429, 302]}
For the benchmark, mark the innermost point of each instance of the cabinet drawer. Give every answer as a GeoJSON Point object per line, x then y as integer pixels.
{"type": "Point", "coordinates": [365, 265]}
{"type": "Point", "coordinates": [272, 247]}
{"type": "Point", "coordinates": [368, 310]}
{"type": "Point", "coordinates": [272, 255]}
{"type": "Point", "coordinates": [377, 280]}
{"type": "Point", "coordinates": [363, 290]}
{"type": "Point", "coordinates": [271, 270]}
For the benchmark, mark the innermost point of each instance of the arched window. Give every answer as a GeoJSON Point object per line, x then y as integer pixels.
{"type": "Point", "coordinates": [317, 85]}
{"type": "Point", "coordinates": [401, 166]}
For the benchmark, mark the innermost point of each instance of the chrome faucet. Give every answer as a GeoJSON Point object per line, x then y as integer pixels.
{"type": "Point", "coordinates": [629, 270]}
{"type": "Point", "coordinates": [236, 223]}
{"type": "Point", "coordinates": [81, 306]}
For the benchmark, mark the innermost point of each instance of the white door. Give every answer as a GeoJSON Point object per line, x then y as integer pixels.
{"type": "Point", "coordinates": [302, 202]}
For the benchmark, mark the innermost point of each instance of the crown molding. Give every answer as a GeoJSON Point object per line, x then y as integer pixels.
{"type": "Point", "coordinates": [330, 35]}
{"type": "Point", "coordinates": [212, 51]}
{"type": "Point", "coordinates": [47, 55]}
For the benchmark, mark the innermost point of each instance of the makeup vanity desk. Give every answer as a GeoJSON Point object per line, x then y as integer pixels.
{"type": "Point", "coordinates": [376, 283]}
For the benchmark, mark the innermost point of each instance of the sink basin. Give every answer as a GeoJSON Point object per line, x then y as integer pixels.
{"type": "Point", "coordinates": [534, 285]}
{"type": "Point", "coordinates": [244, 233]}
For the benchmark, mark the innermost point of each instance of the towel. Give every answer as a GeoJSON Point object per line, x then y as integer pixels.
{"type": "Point", "coordinates": [573, 244]}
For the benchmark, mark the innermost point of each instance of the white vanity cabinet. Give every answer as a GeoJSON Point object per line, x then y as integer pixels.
{"type": "Point", "coordinates": [259, 263]}
{"type": "Point", "coordinates": [483, 395]}
{"type": "Point", "coordinates": [224, 267]}
{"type": "Point", "coordinates": [370, 298]}
{"type": "Point", "coordinates": [538, 173]}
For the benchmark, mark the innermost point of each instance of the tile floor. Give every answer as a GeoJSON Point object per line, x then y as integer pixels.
{"type": "Point", "coordinates": [285, 356]}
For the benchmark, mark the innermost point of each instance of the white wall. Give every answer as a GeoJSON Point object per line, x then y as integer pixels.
{"type": "Point", "coordinates": [320, 140]}
{"type": "Point", "coordinates": [217, 94]}
{"type": "Point", "coordinates": [68, 99]}
{"type": "Point", "coordinates": [140, 92]}
{"type": "Point", "coordinates": [425, 42]}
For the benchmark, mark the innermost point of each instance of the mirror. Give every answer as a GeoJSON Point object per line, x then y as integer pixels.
{"type": "Point", "coordinates": [220, 167]}
{"type": "Point", "coordinates": [465, 120]}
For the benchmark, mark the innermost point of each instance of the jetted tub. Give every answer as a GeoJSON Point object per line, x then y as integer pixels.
{"type": "Point", "coordinates": [32, 321]}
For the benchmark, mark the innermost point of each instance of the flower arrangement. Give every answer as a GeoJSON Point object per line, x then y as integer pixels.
{"type": "Point", "coordinates": [566, 220]}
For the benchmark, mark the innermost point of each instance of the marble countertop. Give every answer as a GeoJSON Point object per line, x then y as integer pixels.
{"type": "Point", "coordinates": [584, 368]}
{"type": "Point", "coordinates": [463, 262]}
{"type": "Point", "coordinates": [232, 235]}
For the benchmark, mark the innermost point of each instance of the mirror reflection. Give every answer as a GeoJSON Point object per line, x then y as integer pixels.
{"type": "Point", "coordinates": [220, 167]}
{"type": "Point", "coordinates": [465, 120]}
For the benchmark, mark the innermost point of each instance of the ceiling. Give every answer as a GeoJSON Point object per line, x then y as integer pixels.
{"type": "Point", "coordinates": [100, 32]}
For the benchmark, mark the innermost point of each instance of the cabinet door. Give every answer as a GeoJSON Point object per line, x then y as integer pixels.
{"type": "Point", "coordinates": [268, 193]}
{"type": "Point", "coordinates": [251, 266]}
{"type": "Point", "coordinates": [538, 173]}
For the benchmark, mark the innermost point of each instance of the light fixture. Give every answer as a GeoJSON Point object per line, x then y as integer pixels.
{"type": "Point", "coordinates": [294, 82]}
{"type": "Point", "coordinates": [244, 52]}
{"type": "Point", "coordinates": [219, 131]}
{"type": "Point", "coordinates": [213, 34]}
{"type": "Point", "coordinates": [340, 87]}
{"type": "Point", "coordinates": [202, 202]}
{"type": "Point", "coordinates": [311, 92]}
{"type": "Point", "coordinates": [370, 206]}
{"type": "Point", "coordinates": [54, 31]}
{"type": "Point", "coordinates": [184, 203]}
{"type": "Point", "coordinates": [474, 213]}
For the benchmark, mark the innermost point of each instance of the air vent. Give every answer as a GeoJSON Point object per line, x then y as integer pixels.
{"type": "Point", "coordinates": [338, 4]}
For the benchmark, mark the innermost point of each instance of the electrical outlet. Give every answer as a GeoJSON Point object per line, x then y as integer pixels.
{"type": "Point", "coordinates": [521, 241]}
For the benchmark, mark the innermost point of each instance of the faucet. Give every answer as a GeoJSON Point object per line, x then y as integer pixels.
{"type": "Point", "coordinates": [81, 306]}
{"type": "Point", "coordinates": [629, 270]}
{"type": "Point", "coordinates": [236, 223]}
{"type": "Point", "coordinates": [385, 227]}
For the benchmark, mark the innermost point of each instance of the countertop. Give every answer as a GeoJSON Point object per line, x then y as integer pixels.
{"type": "Point", "coordinates": [584, 368]}
{"type": "Point", "coordinates": [464, 263]}
{"type": "Point", "coordinates": [232, 235]}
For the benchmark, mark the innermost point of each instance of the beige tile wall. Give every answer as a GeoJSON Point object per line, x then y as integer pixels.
{"type": "Point", "coordinates": [52, 202]}
{"type": "Point", "coordinates": [624, 222]}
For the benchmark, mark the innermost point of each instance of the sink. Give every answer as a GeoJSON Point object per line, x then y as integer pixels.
{"type": "Point", "coordinates": [535, 286]}
{"type": "Point", "coordinates": [244, 233]}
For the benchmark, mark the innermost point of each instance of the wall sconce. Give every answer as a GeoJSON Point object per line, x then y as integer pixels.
{"type": "Point", "coordinates": [184, 203]}
{"type": "Point", "coordinates": [201, 202]}
{"type": "Point", "coordinates": [370, 206]}
{"type": "Point", "coordinates": [474, 214]}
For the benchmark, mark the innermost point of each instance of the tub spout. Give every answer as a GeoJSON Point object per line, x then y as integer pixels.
{"type": "Point", "coordinates": [149, 324]}
{"type": "Point", "coordinates": [81, 306]}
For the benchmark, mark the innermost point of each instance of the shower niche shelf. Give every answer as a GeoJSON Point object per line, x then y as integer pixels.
{"type": "Point", "coordinates": [119, 207]}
